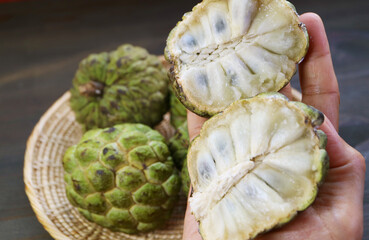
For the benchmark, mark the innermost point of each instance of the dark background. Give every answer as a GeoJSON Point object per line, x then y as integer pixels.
{"type": "Point", "coordinates": [42, 42]}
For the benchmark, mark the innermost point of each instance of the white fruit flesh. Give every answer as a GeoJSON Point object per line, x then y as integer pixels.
{"type": "Point", "coordinates": [253, 167]}
{"type": "Point", "coordinates": [225, 50]}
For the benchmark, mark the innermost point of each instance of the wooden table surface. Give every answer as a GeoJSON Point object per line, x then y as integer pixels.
{"type": "Point", "coordinates": [41, 43]}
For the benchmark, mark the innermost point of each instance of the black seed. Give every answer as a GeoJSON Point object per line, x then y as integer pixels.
{"type": "Point", "coordinates": [220, 26]}
{"type": "Point", "coordinates": [234, 81]}
{"type": "Point", "coordinates": [100, 172]}
{"type": "Point", "coordinates": [221, 145]}
{"type": "Point", "coordinates": [190, 41]}
{"type": "Point", "coordinates": [233, 76]}
{"type": "Point", "coordinates": [144, 166]}
{"type": "Point", "coordinates": [112, 157]}
{"type": "Point", "coordinates": [203, 80]}
{"type": "Point", "coordinates": [105, 151]}
{"type": "Point", "coordinates": [205, 171]}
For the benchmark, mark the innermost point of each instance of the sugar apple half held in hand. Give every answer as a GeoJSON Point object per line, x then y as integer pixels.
{"type": "Point", "coordinates": [125, 85]}
{"type": "Point", "coordinates": [122, 178]}
{"type": "Point", "coordinates": [225, 50]}
{"type": "Point", "coordinates": [254, 166]}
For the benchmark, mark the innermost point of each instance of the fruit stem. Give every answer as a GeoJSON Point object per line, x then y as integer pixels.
{"type": "Point", "coordinates": [92, 89]}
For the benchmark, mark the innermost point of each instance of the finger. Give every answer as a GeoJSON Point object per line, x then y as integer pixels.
{"type": "Point", "coordinates": [194, 124]}
{"type": "Point", "coordinates": [339, 152]}
{"type": "Point", "coordinates": [191, 227]}
{"type": "Point", "coordinates": [286, 90]}
{"type": "Point", "coordinates": [317, 78]}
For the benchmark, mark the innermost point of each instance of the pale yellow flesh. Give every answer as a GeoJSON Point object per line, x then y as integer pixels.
{"type": "Point", "coordinates": [252, 168]}
{"type": "Point", "coordinates": [231, 49]}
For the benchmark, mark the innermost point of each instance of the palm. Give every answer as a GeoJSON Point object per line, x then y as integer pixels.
{"type": "Point", "coordinates": [323, 220]}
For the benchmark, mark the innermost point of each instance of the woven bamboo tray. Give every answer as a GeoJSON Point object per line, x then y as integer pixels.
{"type": "Point", "coordinates": [43, 177]}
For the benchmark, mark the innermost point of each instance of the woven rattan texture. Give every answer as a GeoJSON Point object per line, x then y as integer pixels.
{"type": "Point", "coordinates": [43, 176]}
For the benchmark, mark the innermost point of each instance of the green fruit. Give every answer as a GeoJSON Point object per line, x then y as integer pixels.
{"type": "Point", "coordinates": [185, 177]}
{"type": "Point", "coordinates": [125, 85]}
{"type": "Point", "coordinates": [178, 146]}
{"type": "Point", "coordinates": [254, 166]}
{"type": "Point", "coordinates": [178, 112]}
{"type": "Point", "coordinates": [122, 178]}
{"type": "Point", "coordinates": [225, 50]}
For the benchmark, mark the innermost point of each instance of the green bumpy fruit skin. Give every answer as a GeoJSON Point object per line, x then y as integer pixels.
{"type": "Point", "coordinates": [178, 146]}
{"type": "Point", "coordinates": [178, 112]}
{"type": "Point", "coordinates": [122, 178]}
{"type": "Point", "coordinates": [127, 85]}
{"type": "Point", "coordinates": [186, 181]}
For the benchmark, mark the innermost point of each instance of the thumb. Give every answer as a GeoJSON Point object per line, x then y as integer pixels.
{"type": "Point", "coordinates": [194, 124]}
{"type": "Point", "coordinates": [340, 153]}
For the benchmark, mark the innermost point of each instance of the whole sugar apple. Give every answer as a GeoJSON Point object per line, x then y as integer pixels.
{"type": "Point", "coordinates": [178, 146]}
{"type": "Point", "coordinates": [125, 85]}
{"type": "Point", "coordinates": [254, 166]}
{"type": "Point", "coordinates": [185, 178]}
{"type": "Point", "coordinates": [225, 50]}
{"type": "Point", "coordinates": [178, 112]}
{"type": "Point", "coordinates": [122, 178]}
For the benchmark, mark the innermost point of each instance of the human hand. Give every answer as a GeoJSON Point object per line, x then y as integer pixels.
{"type": "Point", "coordinates": [337, 212]}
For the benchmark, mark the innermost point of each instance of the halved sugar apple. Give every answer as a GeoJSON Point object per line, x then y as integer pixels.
{"type": "Point", "coordinates": [255, 166]}
{"type": "Point", "coordinates": [225, 50]}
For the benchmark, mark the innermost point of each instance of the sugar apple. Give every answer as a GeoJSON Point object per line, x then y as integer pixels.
{"type": "Point", "coordinates": [178, 112]}
{"type": "Point", "coordinates": [225, 50]}
{"type": "Point", "coordinates": [256, 165]}
{"type": "Point", "coordinates": [185, 178]}
{"type": "Point", "coordinates": [122, 178]}
{"type": "Point", "coordinates": [178, 146]}
{"type": "Point", "coordinates": [125, 85]}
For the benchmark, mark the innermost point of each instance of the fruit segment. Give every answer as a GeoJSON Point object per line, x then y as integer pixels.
{"type": "Point", "coordinates": [254, 167]}
{"type": "Point", "coordinates": [227, 50]}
